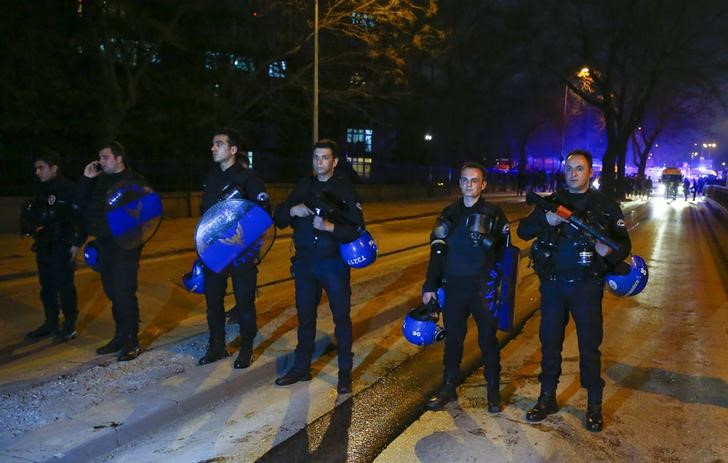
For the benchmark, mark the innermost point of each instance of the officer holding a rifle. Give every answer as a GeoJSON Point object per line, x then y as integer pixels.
{"type": "Point", "coordinates": [571, 254]}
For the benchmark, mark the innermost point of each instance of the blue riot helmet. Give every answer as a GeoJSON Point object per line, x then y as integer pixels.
{"type": "Point", "coordinates": [629, 283]}
{"type": "Point", "coordinates": [91, 255]}
{"type": "Point", "coordinates": [361, 252]}
{"type": "Point", "coordinates": [420, 325]}
{"type": "Point", "coordinates": [194, 280]}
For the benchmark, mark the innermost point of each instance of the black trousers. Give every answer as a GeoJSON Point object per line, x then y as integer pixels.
{"type": "Point", "coordinates": [465, 297]}
{"type": "Point", "coordinates": [118, 268]}
{"type": "Point", "coordinates": [312, 276]}
{"type": "Point", "coordinates": [244, 284]}
{"type": "Point", "coordinates": [57, 290]}
{"type": "Point", "coordinates": [583, 300]}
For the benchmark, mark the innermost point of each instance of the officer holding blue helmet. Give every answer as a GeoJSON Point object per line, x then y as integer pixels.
{"type": "Point", "coordinates": [466, 242]}
{"type": "Point", "coordinates": [229, 178]}
{"type": "Point", "coordinates": [324, 212]}
{"type": "Point", "coordinates": [571, 269]}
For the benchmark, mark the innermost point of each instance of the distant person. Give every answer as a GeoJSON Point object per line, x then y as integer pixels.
{"type": "Point", "coordinates": [521, 179]}
{"type": "Point", "coordinates": [230, 173]}
{"type": "Point", "coordinates": [571, 269]}
{"type": "Point", "coordinates": [695, 187]}
{"type": "Point", "coordinates": [468, 237]}
{"type": "Point", "coordinates": [686, 187]}
{"type": "Point", "coordinates": [118, 266]}
{"type": "Point", "coordinates": [52, 222]}
{"type": "Point", "coordinates": [318, 264]}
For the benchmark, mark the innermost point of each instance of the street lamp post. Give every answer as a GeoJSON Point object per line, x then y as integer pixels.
{"type": "Point", "coordinates": [315, 71]}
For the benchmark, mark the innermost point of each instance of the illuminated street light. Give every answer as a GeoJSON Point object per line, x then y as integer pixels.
{"type": "Point", "coordinates": [428, 137]}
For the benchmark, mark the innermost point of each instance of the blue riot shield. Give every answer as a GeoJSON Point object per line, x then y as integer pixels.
{"type": "Point", "coordinates": [234, 231]}
{"type": "Point", "coordinates": [133, 212]}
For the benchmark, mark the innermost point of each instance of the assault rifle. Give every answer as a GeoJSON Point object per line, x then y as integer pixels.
{"type": "Point", "coordinates": [572, 219]}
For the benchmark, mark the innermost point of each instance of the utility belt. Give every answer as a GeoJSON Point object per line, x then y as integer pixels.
{"type": "Point", "coordinates": [573, 260]}
{"type": "Point", "coordinates": [570, 276]}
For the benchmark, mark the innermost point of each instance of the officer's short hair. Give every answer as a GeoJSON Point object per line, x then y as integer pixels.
{"type": "Point", "coordinates": [584, 153]}
{"type": "Point", "coordinates": [118, 150]}
{"type": "Point", "coordinates": [327, 143]}
{"type": "Point", "coordinates": [234, 138]}
{"type": "Point", "coordinates": [49, 156]}
{"type": "Point", "coordinates": [474, 165]}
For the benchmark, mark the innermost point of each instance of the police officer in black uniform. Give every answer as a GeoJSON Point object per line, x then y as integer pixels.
{"type": "Point", "coordinates": [118, 266]}
{"type": "Point", "coordinates": [468, 238]}
{"type": "Point", "coordinates": [318, 263]}
{"type": "Point", "coordinates": [571, 268]}
{"type": "Point", "coordinates": [228, 178]}
{"type": "Point", "coordinates": [52, 222]}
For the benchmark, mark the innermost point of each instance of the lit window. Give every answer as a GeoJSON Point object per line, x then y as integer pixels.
{"type": "Point", "coordinates": [277, 69]}
{"type": "Point", "coordinates": [358, 78]}
{"type": "Point", "coordinates": [360, 136]}
{"type": "Point", "coordinates": [363, 19]}
{"type": "Point", "coordinates": [361, 165]}
{"type": "Point", "coordinates": [242, 63]}
{"type": "Point", "coordinates": [249, 156]}
{"type": "Point", "coordinates": [212, 60]}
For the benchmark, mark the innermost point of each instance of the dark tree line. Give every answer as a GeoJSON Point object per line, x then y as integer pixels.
{"type": "Point", "coordinates": [485, 79]}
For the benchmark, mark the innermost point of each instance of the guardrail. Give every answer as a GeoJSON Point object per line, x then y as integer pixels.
{"type": "Point", "coordinates": [718, 194]}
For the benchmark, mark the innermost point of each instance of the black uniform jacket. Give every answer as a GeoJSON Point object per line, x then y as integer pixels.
{"type": "Point", "coordinates": [310, 242]}
{"type": "Point", "coordinates": [55, 219]}
{"type": "Point", "coordinates": [247, 180]}
{"type": "Point", "coordinates": [558, 242]}
{"type": "Point", "coordinates": [91, 198]}
{"type": "Point", "coordinates": [462, 259]}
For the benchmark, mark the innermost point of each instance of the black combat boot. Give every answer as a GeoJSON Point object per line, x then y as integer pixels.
{"type": "Point", "coordinates": [293, 376]}
{"type": "Point", "coordinates": [445, 395]}
{"type": "Point", "coordinates": [215, 351]}
{"type": "Point", "coordinates": [245, 355]}
{"type": "Point", "coordinates": [46, 329]}
{"type": "Point", "coordinates": [594, 421]}
{"type": "Point", "coordinates": [67, 333]}
{"type": "Point", "coordinates": [344, 384]}
{"type": "Point", "coordinates": [494, 398]}
{"type": "Point", "coordinates": [114, 345]}
{"type": "Point", "coordinates": [130, 348]}
{"type": "Point", "coordinates": [545, 406]}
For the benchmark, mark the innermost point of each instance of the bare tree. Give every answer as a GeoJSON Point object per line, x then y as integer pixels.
{"type": "Point", "coordinates": [630, 48]}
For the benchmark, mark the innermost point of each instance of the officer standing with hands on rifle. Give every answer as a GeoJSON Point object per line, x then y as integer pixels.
{"type": "Point", "coordinates": [466, 242]}
{"type": "Point", "coordinates": [53, 223]}
{"type": "Point", "coordinates": [118, 266]}
{"type": "Point", "coordinates": [318, 264]}
{"type": "Point", "coordinates": [571, 266]}
{"type": "Point", "coordinates": [228, 178]}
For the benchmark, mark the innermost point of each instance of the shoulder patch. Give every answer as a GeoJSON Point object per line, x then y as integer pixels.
{"type": "Point", "coordinates": [262, 197]}
{"type": "Point", "coordinates": [51, 200]}
{"type": "Point", "coordinates": [620, 223]}
{"type": "Point", "coordinates": [358, 205]}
